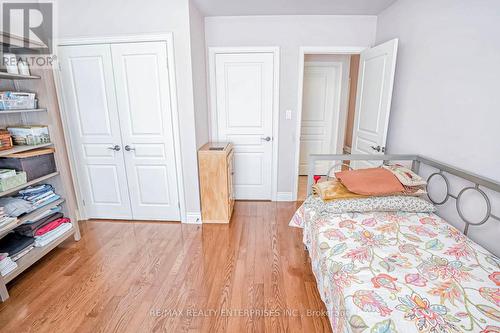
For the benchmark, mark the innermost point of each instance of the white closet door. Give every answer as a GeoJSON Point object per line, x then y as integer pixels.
{"type": "Point", "coordinates": [90, 104]}
{"type": "Point", "coordinates": [143, 95]}
{"type": "Point", "coordinates": [244, 87]}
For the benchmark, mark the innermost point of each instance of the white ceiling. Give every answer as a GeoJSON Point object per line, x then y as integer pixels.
{"type": "Point", "coordinates": [291, 7]}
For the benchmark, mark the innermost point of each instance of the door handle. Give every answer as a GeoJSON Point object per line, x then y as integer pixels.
{"type": "Point", "coordinates": [115, 148]}
{"type": "Point", "coordinates": [378, 149]}
{"type": "Point", "coordinates": [128, 148]}
{"type": "Point", "coordinates": [267, 138]}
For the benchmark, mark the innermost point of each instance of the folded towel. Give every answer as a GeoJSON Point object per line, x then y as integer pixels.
{"type": "Point", "coordinates": [33, 191]}
{"type": "Point", "coordinates": [14, 243]}
{"type": "Point", "coordinates": [7, 223]}
{"type": "Point", "coordinates": [31, 228]}
{"type": "Point", "coordinates": [7, 265]}
{"type": "Point", "coordinates": [15, 206]}
{"type": "Point", "coordinates": [51, 226]}
{"type": "Point", "coordinates": [43, 214]}
{"type": "Point", "coordinates": [50, 236]}
{"type": "Point", "coordinates": [333, 190]}
{"type": "Point", "coordinates": [23, 253]}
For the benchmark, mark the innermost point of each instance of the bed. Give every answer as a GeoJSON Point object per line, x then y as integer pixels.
{"type": "Point", "coordinates": [398, 271]}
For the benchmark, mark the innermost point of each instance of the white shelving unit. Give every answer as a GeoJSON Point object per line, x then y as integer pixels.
{"type": "Point", "coordinates": [42, 83]}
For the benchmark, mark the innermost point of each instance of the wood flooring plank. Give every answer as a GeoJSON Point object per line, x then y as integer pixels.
{"type": "Point", "coordinates": [129, 276]}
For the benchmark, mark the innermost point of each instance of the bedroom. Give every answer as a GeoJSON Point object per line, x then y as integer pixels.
{"type": "Point", "coordinates": [131, 270]}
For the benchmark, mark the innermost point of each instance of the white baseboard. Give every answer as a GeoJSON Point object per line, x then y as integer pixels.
{"type": "Point", "coordinates": [193, 218]}
{"type": "Point", "coordinates": [284, 196]}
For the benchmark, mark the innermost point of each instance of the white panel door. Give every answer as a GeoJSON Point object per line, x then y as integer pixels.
{"type": "Point", "coordinates": [90, 104]}
{"type": "Point", "coordinates": [320, 105]}
{"type": "Point", "coordinates": [373, 101]}
{"type": "Point", "coordinates": [143, 95]}
{"type": "Point", "coordinates": [244, 87]}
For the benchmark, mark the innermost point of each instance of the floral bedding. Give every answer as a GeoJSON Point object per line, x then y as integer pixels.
{"type": "Point", "coordinates": [384, 272]}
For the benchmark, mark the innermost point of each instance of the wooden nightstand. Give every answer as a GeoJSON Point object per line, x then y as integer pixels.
{"type": "Point", "coordinates": [215, 168]}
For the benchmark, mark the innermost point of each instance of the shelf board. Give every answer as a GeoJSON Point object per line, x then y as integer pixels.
{"type": "Point", "coordinates": [19, 149]}
{"type": "Point", "coordinates": [21, 111]}
{"type": "Point", "coordinates": [36, 254]}
{"type": "Point", "coordinates": [8, 76]}
{"type": "Point", "coordinates": [32, 182]}
{"type": "Point", "coordinates": [30, 215]}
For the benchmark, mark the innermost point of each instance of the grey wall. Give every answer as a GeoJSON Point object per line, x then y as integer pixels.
{"type": "Point", "coordinates": [97, 18]}
{"type": "Point", "coordinates": [446, 101]}
{"type": "Point", "coordinates": [289, 33]}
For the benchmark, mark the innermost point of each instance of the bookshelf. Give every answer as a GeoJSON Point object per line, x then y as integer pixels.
{"type": "Point", "coordinates": [41, 81]}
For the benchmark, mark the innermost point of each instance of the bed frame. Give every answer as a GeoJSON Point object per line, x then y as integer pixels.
{"type": "Point", "coordinates": [478, 182]}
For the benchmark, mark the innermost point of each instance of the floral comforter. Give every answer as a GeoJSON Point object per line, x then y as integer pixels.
{"type": "Point", "coordinates": [400, 272]}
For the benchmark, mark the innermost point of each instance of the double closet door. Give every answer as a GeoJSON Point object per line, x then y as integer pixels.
{"type": "Point", "coordinates": [117, 103]}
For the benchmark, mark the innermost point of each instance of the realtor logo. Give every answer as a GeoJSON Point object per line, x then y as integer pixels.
{"type": "Point", "coordinates": [28, 27]}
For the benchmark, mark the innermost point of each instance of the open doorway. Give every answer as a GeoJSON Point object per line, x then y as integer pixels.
{"type": "Point", "coordinates": [326, 123]}
{"type": "Point", "coordinates": [329, 85]}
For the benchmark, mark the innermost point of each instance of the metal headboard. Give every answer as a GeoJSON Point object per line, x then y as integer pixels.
{"type": "Point", "coordinates": [478, 181]}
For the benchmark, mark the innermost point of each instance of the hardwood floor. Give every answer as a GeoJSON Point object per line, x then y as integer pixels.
{"type": "Point", "coordinates": [169, 277]}
{"type": "Point", "coordinates": [302, 190]}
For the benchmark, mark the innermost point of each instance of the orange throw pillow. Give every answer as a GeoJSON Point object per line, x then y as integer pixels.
{"type": "Point", "coordinates": [373, 181]}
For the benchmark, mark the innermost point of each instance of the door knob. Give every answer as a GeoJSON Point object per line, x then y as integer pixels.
{"type": "Point", "coordinates": [128, 148]}
{"type": "Point", "coordinates": [378, 149]}
{"type": "Point", "coordinates": [115, 148]}
{"type": "Point", "coordinates": [267, 138]}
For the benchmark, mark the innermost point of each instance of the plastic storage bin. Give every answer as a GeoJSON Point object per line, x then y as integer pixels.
{"type": "Point", "coordinates": [29, 135]}
{"type": "Point", "coordinates": [11, 182]}
{"type": "Point", "coordinates": [17, 100]}
{"type": "Point", "coordinates": [36, 163]}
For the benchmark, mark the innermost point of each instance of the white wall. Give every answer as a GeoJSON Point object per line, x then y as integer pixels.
{"type": "Point", "coordinates": [289, 33]}
{"type": "Point", "coordinates": [446, 81]}
{"type": "Point", "coordinates": [96, 18]}
{"type": "Point", "coordinates": [198, 60]}
{"type": "Point", "coordinates": [446, 102]}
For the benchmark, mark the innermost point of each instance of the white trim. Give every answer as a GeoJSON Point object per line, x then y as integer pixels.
{"type": "Point", "coordinates": [193, 218]}
{"type": "Point", "coordinates": [164, 37]}
{"type": "Point", "coordinates": [303, 50]}
{"type": "Point", "coordinates": [160, 37]}
{"type": "Point", "coordinates": [284, 196]}
{"type": "Point", "coordinates": [331, 50]}
{"type": "Point", "coordinates": [212, 51]}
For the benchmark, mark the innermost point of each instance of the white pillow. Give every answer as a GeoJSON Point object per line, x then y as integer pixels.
{"type": "Point", "coordinates": [405, 175]}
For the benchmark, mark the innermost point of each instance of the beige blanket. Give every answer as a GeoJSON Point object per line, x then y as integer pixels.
{"type": "Point", "coordinates": [332, 190]}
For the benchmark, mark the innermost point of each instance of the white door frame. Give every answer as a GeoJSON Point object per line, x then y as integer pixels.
{"type": "Point", "coordinates": [163, 37]}
{"type": "Point", "coordinates": [212, 52]}
{"type": "Point", "coordinates": [303, 50]}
